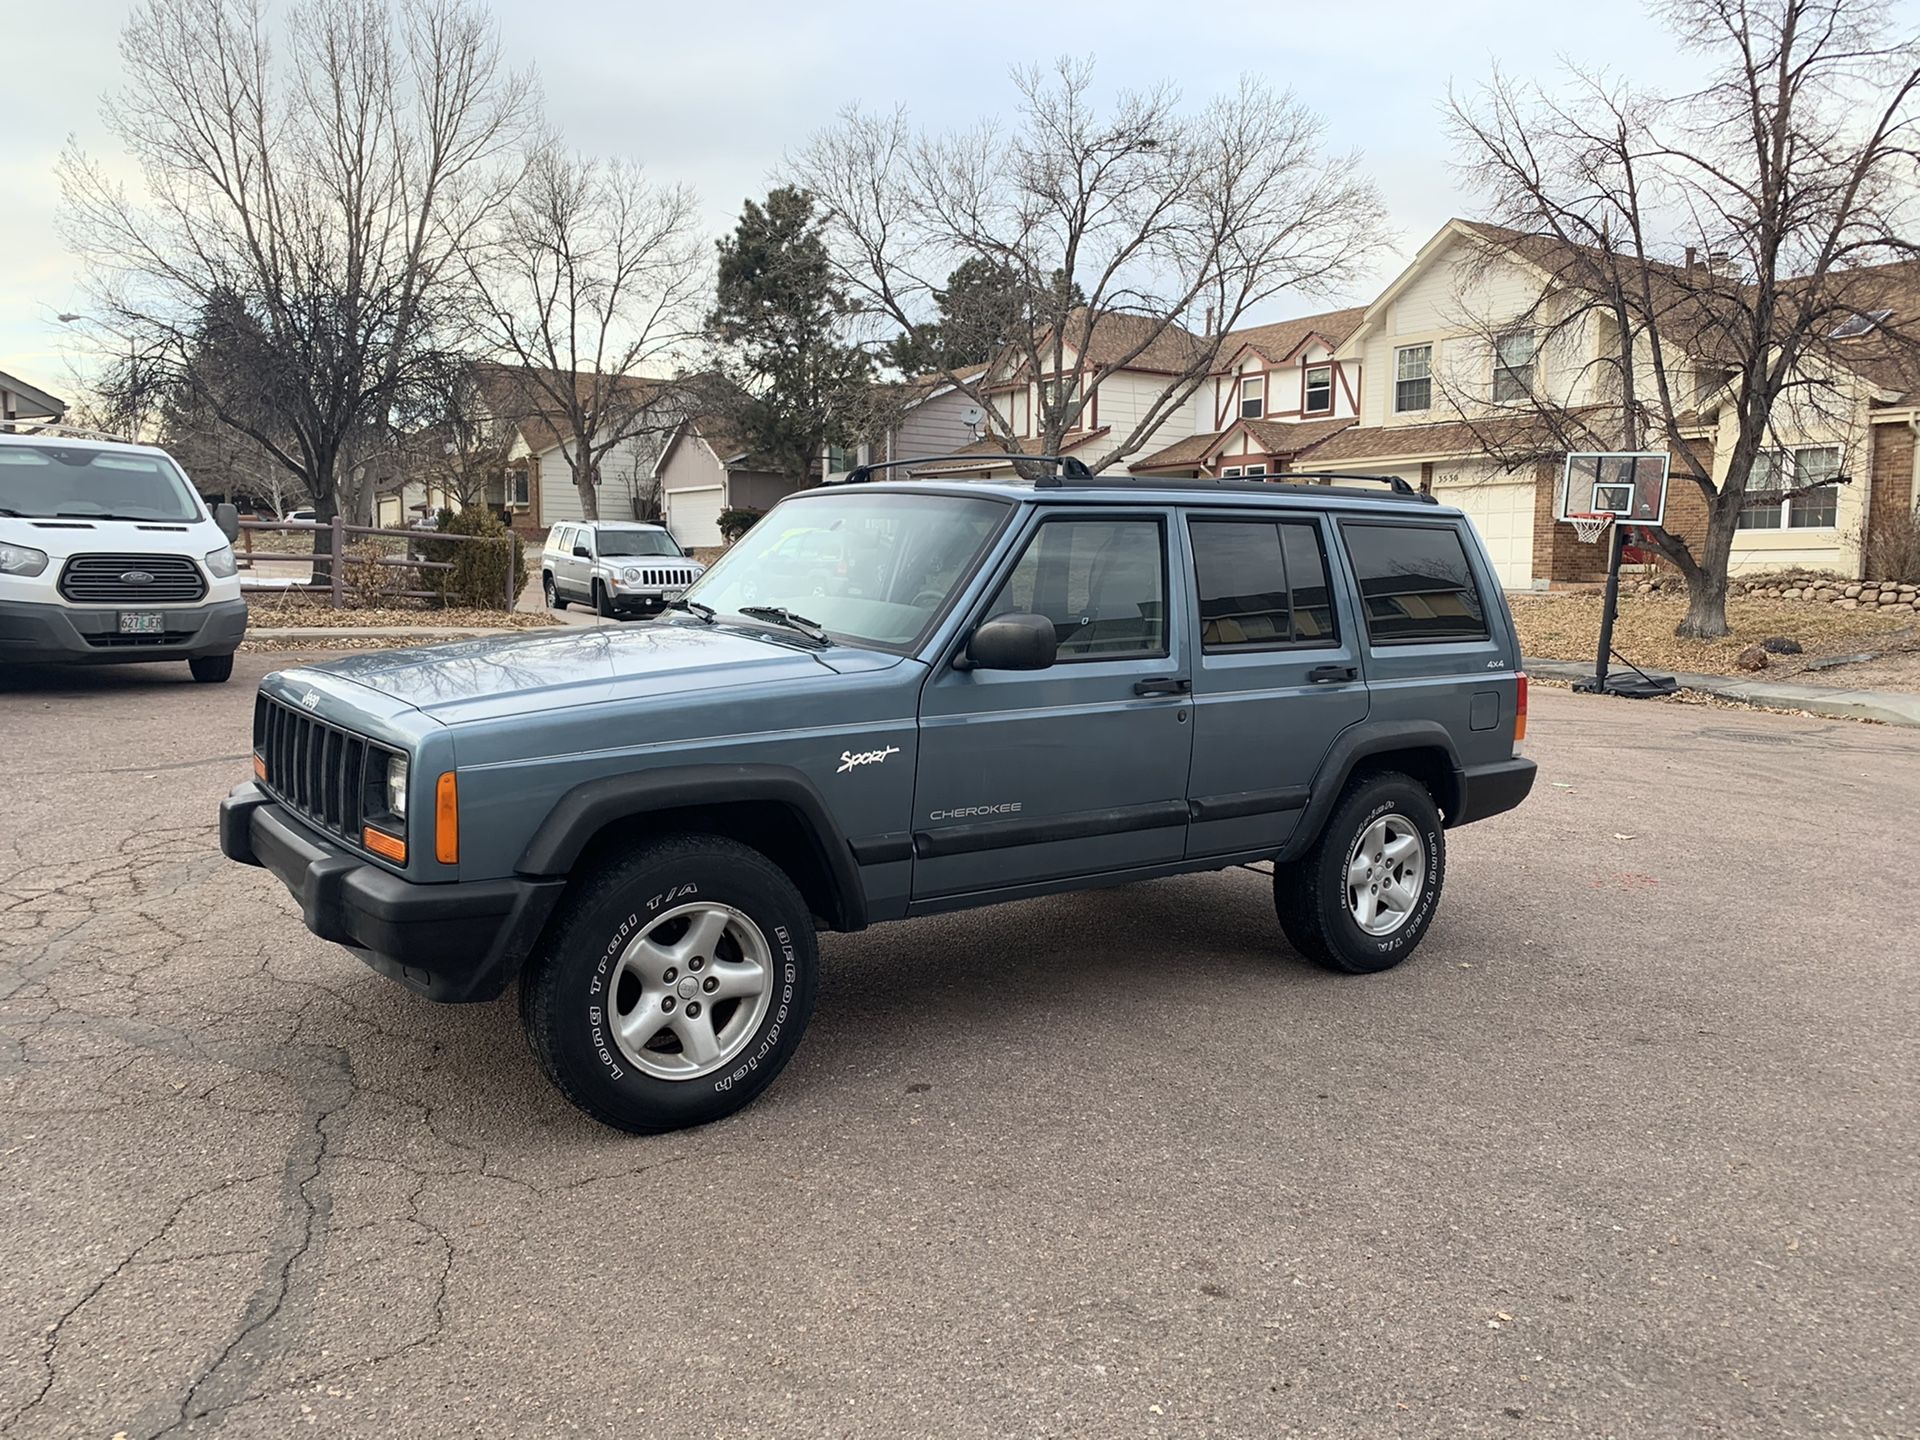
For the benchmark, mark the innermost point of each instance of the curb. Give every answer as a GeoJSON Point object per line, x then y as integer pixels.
{"type": "Point", "coordinates": [1886, 707]}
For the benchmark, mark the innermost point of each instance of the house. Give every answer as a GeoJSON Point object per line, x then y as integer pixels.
{"type": "Point", "coordinates": [1271, 396]}
{"type": "Point", "coordinates": [21, 401]}
{"type": "Point", "coordinates": [1455, 340]}
{"type": "Point", "coordinates": [934, 416]}
{"type": "Point", "coordinates": [703, 470]}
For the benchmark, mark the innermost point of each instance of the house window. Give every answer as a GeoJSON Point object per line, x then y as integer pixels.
{"type": "Point", "coordinates": [1513, 366]}
{"type": "Point", "coordinates": [1318, 396]}
{"type": "Point", "coordinates": [1789, 470]}
{"type": "Point", "coordinates": [1254, 470]}
{"type": "Point", "coordinates": [1253, 397]}
{"type": "Point", "coordinates": [1059, 397]}
{"type": "Point", "coordinates": [1413, 378]}
{"type": "Point", "coordinates": [842, 458]}
{"type": "Point", "coordinates": [1230, 472]}
{"type": "Point", "coordinates": [520, 485]}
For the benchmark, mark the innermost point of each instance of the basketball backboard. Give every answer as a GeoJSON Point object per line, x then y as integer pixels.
{"type": "Point", "coordinates": [1629, 485]}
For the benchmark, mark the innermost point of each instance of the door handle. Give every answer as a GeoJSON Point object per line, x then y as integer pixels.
{"type": "Point", "coordinates": [1163, 685]}
{"type": "Point", "coordinates": [1332, 674]}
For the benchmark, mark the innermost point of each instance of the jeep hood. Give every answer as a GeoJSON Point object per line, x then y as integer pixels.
{"type": "Point", "coordinates": [545, 670]}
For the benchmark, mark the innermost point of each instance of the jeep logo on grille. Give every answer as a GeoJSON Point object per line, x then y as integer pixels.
{"type": "Point", "coordinates": [135, 577]}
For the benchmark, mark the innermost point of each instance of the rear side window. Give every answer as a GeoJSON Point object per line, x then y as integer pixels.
{"type": "Point", "coordinates": [1261, 583]}
{"type": "Point", "coordinates": [1415, 583]}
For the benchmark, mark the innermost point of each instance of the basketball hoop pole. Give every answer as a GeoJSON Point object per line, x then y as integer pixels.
{"type": "Point", "coordinates": [1609, 607]}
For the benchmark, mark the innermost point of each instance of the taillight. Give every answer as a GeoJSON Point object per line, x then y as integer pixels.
{"type": "Point", "coordinates": [1520, 708]}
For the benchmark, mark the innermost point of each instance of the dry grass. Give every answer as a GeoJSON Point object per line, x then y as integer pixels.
{"type": "Point", "coordinates": [273, 611]}
{"type": "Point", "coordinates": [1567, 627]}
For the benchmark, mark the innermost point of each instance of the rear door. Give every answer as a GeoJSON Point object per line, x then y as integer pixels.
{"type": "Point", "coordinates": [1031, 776]}
{"type": "Point", "coordinates": [1436, 636]}
{"type": "Point", "coordinates": [561, 546]}
{"type": "Point", "coordinates": [1277, 675]}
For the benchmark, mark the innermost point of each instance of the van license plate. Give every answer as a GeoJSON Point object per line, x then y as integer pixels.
{"type": "Point", "coordinates": [140, 622]}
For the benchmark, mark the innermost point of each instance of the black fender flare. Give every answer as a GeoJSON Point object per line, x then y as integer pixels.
{"type": "Point", "coordinates": [1356, 745]}
{"type": "Point", "coordinates": [589, 807]}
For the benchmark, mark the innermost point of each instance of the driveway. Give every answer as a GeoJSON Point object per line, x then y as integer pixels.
{"type": "Point", "coordinates": [1628, 1149]}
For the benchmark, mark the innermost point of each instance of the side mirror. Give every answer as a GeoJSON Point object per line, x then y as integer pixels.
{"type": "Point", "coordinates": [227, 517]}
{"type": "Point", "coordinates": [580, 552]}
{"type": "Point", "coordinates": [1013, 642]}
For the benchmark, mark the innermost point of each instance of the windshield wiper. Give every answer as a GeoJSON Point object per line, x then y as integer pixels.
{"type": "Point", "coordinates": [693, 607]}
{"type": "Point", "coordinates": [780, 615]}
{"type": "Point", "coordinates": [114, 515]}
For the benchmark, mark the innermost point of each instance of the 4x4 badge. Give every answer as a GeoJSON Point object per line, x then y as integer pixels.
{"type": "Point", "coordinates": [849, 758]}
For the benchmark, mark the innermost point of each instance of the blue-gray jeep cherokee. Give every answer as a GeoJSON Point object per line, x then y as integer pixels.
{"type": "Point", "coordinates": [983, 691]}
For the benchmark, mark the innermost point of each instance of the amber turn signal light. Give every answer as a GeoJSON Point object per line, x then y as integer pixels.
{"type": "Point", "coordinates": [259, 768]}
{"type": "Point", "coordinates": [446, 820]}
{"type": "Point", "coordinates": [381, 843]}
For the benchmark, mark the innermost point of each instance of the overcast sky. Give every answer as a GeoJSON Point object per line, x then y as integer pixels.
{"type": "Point", "coordinates": [711, 94]}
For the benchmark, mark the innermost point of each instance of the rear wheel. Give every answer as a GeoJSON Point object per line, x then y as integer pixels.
{"type": "Point", "coordinates": [674, 985]}
{"type": "Point", "coordinates": [211, 669]}
{"type": "Point", "coordinates": [554, 602]}
{"type": "Point", "coordinates": [1361, 899]}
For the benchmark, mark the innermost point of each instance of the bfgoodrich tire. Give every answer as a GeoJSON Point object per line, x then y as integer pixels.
{"type": "Point", "coordinates": [1361, 899]}
{"type": "Point", "coordinates": [674, 984]}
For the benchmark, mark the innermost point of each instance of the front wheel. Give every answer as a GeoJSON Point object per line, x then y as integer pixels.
{"type": "Point", "coordinates": [674, 985]}
{"type": "Point", "coordinates": [602, 602]}
{"type": "Point", "coordinates": [1360, 900]}
{"type": "Point", "coordinates": [211, 669]}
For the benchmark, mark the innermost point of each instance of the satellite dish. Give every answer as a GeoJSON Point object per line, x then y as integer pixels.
{"type": "Point", "coordinates": [972, 416]}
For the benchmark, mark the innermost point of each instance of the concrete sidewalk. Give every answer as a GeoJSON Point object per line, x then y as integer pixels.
{"type": "Point", "coordinates": [1888, 707]}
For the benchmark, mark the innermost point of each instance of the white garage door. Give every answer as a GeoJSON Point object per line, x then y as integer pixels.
{"type": "Point", "coordinates": [1502, 511]}
{"type": "Point", "coordinates": [694, 515]}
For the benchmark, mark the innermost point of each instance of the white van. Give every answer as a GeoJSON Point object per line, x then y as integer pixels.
{"type": "Point", "coordinates": [108, 554]}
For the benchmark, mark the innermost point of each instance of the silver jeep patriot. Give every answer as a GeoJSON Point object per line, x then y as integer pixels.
{"type": "Point", "coordinates": [893, 699]}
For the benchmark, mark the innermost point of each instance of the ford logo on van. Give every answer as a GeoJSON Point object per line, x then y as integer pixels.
{"type": "Point", "coordinates": [135, 577]}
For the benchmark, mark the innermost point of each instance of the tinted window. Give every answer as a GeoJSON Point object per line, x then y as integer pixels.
{"type": "Point", "coordinates": [1415, 583]}
{"type": "Point", "coordinates": [1101, 582]}
{"type": "Point", "coordinates": [1260, 583]}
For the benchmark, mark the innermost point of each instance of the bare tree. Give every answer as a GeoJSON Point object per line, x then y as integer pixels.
{"type": "Point", "coordinates": [593, 277]}
{"type": "Point", "coordinates": [1699, 252]}
{"type": "Point", "coordinates": [1127, 237]}
{"type": "Point", "coordinates": [315, 196]}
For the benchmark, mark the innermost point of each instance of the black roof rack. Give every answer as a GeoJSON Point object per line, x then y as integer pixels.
{"type": "Point", "coordinates": [1068, 465]}
{"type": "Point", "coordinates": [1070, 470]}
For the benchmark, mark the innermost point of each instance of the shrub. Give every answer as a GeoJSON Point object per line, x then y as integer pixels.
{"type": "Point", "coordinates": [735, 523]}
{"type": "Point", "coordinates": [372, 586]}
{"type": "Point", "coordinates": [1893, 552]}
{"type": "Point", "coordinates": [478, 579]}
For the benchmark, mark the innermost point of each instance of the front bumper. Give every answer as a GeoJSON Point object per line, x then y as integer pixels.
{"type": "Point", "coordinates": [1491, 789]}
{"type": "Point", "coordinates": [33, 633]}
{"type": "Point", "coordinates": [460, 941]}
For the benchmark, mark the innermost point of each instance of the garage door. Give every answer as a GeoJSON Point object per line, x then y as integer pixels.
{"type": "Point", "coordinates": [694, 515]}
{"type": "Point", "coordinates": [1502, 511]}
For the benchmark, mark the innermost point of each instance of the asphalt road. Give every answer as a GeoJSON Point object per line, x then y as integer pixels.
{"type": "Point", "coordinates": [1628, 1149]}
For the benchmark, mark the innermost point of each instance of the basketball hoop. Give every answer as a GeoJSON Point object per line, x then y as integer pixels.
{"type": "Point", "coordinates": [1590, 525]}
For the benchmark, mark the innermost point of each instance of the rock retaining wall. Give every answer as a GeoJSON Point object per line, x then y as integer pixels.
{"type": "Point", "coordinates": [1802, 585]}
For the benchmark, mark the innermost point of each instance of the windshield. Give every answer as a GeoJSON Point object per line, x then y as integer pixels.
{"type": "Point", "coordinates": [870, 568]}
{"type": "Point", "coordinates": [636, 542]}
{"type": "Point", "coordinates": [78, 482]}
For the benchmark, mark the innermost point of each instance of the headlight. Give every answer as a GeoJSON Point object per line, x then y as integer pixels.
{"type": "Point", "coordinates": [21, 560]}
{"type": "Point", "coordinates": [632, 577]}
{"type": "Point", "coordinates": [220, 562]}
{"type": "Point", "coordinates": [397, 786]}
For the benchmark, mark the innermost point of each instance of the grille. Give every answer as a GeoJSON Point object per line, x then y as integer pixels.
{"type": "Point", "coordinates": [133, 642]}
{"type": "Point", "coordinates": [95, 580]}
{"type": "Point", "coordinates": [666, 577]}
{"type": "Point", "coordinates": [316, 770]}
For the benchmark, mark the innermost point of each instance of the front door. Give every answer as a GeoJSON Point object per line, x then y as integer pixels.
{"type": "Point", "coordinates": [1276, 680]}
{"type": "Point", "coordinates": [1026, 777]}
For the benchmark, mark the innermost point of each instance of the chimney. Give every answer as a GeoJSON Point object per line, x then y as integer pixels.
{"type": "Point", "coordinates": [1720, 262]}
{"type": "Point", "coordinates": [1209, 330]}
{"type": "Point", "coordinates": [1693, 257]}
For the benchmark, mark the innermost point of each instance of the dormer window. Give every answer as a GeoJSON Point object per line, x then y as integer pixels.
{"type": "Point", "coordinates": [1317, 398]}
{"type": "Point", "coordinates": [1253, 397]}
{"type": "Point", "coordinates": [1856, 325]}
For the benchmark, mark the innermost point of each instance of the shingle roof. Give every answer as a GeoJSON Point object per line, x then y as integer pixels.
{"type": "Point", "coordinates": [1277, 438]}
{"type": "Point", "coordinates": [1445, 437]}
{"type": "Point", "coordinates": [992, 451]}
{"type": "Point", "coordinates": [1278, 341]}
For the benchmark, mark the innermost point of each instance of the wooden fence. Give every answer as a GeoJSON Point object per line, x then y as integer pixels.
{"type": "Point", "coordinates": [337, 560]}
